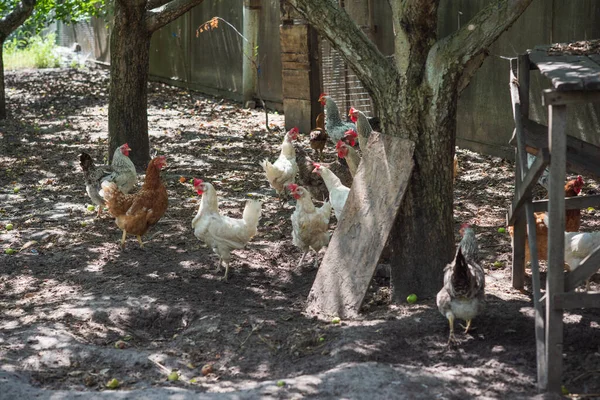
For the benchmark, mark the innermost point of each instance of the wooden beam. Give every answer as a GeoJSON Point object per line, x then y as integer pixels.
{"type": "Point", "coordinates": [582, 157]}
{"type": "Point", "coordinates": [571, 203]}
{"type": "Point", "coordinates": [541, 358]}
{"type": "Point", "coordinates": [557, 139]}
{"type": "Point", "coordinates": [370, 211]}
{"type": "Point", "coordinates": [524, 191]}
{"type": "Point", "coordinates": [586, 268]}
{"type": "Point", "coordinates": [569, 301]}
{"type": "Point", "coordinates": [551, 97]}
{"type": "Point", "coordinates": [519, 237]}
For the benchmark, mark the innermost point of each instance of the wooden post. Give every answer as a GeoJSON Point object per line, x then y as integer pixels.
{"type": "Point", "coordinates": [301, 75]}
{"type": "Point", "coordinates": [249, 72]}
{"type": "Point", "coordinates": [557, 138]}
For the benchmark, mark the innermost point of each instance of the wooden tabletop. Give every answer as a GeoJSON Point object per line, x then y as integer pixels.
{"type": "Point", "coordinates": [567, 72]}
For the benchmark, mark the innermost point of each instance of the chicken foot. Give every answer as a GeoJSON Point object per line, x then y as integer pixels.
{"type": "Point", "coordinates": [123, 240]}
{"type": "Point", "coordinates": [466, 328]}
{"type": "Point", "coordinates": [302, 258]}
{"type": "Point", "coordinates": [226, 263]}
{"type": "Point", "coordinates": [451, 338]}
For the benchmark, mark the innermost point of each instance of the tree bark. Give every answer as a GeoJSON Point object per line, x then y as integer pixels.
{"type": "Point", "coordinates": [134, 23]}
{"type": "Point", "coordinates": [416, 96]}
{"type": "Point", "coordinates": [8, 24]}
{"type": "Point", "coordinates": [129, 68]}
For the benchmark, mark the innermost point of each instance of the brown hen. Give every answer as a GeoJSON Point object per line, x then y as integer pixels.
{"type": "Point", "coordinates": [136, 213]}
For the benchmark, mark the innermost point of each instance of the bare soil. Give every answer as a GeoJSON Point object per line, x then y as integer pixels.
{"type": "Point", "coordinates": [77, 311]}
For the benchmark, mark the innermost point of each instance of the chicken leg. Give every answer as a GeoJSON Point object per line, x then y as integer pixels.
{"type": "Point", "coordinates": [451, 337]}
{"type": "Point", "coordinates": [302, 258]}
{"type": "Point", "coordinates": [316, 260]}
{"type": "Point", "coordinates": [123, 239]}
{"type": "Point", "coordinates": [139, 238]}
{"type": "Point", "coordinates": [468, 326]}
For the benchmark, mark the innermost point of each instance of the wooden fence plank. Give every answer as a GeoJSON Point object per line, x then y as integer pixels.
{"type": "Point", "coordinates": [348, 265]}
{"type": "Point", "coordinates": [568, 301]}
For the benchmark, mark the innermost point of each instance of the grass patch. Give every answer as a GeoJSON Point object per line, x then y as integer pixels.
{"type": "Point", "coordinates": [38, 52]}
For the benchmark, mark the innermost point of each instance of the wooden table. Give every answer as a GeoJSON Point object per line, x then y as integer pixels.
{"type": "Point", "coordinates": [575, 80]}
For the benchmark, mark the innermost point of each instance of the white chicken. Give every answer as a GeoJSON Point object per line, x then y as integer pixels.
{"type": "Point", "coordinates": [579, 245]}
{"type": "Point", "coordinates": [338, 193]}
{"type": "Point", "coordinates": [345, 149]}
{"type": "Point", "coordinates": [283, 171]}
{"type": "Point", "coordinates": [309, 223]}
{"type": "Point", "coordinates": [223, 234]}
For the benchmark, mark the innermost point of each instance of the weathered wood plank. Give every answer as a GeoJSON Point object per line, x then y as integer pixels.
{"type": "Point", "coordinates": [571, 203]}
{"type": "Point", "coordinates": [556, 244]}
{"type": "Point", "coordinates": [294, 57]}
{"type": "Point", "coordinates": [518, 238]}
{"type": "Point", "coordinates": [542, 365]}
{"type": "Point", "coordinates": [294, 38]}
{"type": "Point", "coordinates": [582, 157]}
{"type": "Point", "coordinates": [346, 271]}
{"type": "Point", "coordinates": [523, 193]}
{"type": "Point", "coordinates": [567, 72]}
{"type": "Point", "coordinates": [296, 84]}
{"type": "Point", "coordinates": [523, 77]}
{"type": "Point", "coordinates": [569, 301]}
{"type": "Point", "coordinates": [297, 113]}
{"type": "Point", "coordinates": [551, 97]}
{"type": "Point", "coordinates": [293, 65]}
{"type": "Point", "coordinates": [587, 268]}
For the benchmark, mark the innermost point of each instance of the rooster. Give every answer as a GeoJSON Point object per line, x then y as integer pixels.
{"type": "Point", "coordinates": [309, 224]}
{"type": "Point", "coordinates": [334, 126]}
{"type": "Point", "coordinates": [223, 234]}
{"type": "Point", "coordinates": [283, 171]}
{"type": "Point", "coordinates": [572, 222]}
{"type": "Point", "coordinates": [463, 293]}
{"type": "Point", "coordinates": [363, 127]}
{"type": "Point", "coordinates": [318, 136]}
{"type": "Point", "coordinates": [468, 243]}
{"type": "Point", "coordinates": [338, 193]}
{"type": "Point", "coordinates": [121, 171]}
{"type": "Point", "coordinates": [345, 149]}
{"type": "Point", "coordinates": [136, 213]}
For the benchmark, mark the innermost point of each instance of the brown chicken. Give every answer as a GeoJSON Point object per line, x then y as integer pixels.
{"type": "Point", "coordinates": [318, 136]}
{"type": "Point", "coordinates": [136, 213]}
{"type": "Point", "coordinates": [572, 222]}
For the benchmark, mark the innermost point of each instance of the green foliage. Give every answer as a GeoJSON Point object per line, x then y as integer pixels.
{"type": "Point", "coordinates": [38, 52]}
{"type": "Point", "coordinates": [48, 11]}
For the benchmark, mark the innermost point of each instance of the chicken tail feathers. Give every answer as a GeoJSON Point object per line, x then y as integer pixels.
{"type": "Point", "coordinates": [109, 190]}
{"type": "Point", "coordinates": [86, 161]}
{"type": "Point", "coordinates": [251, 214]}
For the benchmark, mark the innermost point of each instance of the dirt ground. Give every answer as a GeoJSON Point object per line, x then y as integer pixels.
{"type": "Point", "coordinates": [76, 311]}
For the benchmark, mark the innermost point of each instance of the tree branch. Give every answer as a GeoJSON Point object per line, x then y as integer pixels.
{"type": "Point", "coordinates": [15, 18]}
{"type": "Point", "coordinates": [156, 3]}
{"type": "Point", "coordinates": [374, 70]}
{"type": "Point", "coordinates": [159, 17]}
{"type": "Point", "coordinates": [467, 47]}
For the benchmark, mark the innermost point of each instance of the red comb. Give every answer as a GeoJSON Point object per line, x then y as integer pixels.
{"type": "Point", "coordinates": [465, 225]}
{"type": "Point", "coordinates": [323, 95]}
{"type": "Point", "coordinates": [352, 110]}
{"type": "Point", "coordinates": [197, 182]}
{"type": "Point", "coordinates": [351, 132]}
{"type": "Point", "coordinates": [316, 165]}
{"type": "Point", "coordinates": [292, 187]}
{"type": "Point", "coordinates": [339, 144]}
{"type": "Point", "coordinates": [580, 179]}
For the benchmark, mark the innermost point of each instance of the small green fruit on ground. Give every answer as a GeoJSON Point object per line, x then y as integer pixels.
{"type": "Point", "coordinates": [112, 384]}
{"type": "Point", "coordinates": [91, 207]}
{"type": "Point", "coordinates": [9, 227]}
{"type": "Point", "coordinates": [501, 230]}
{"type": "Point", "coordinates": [498, 264]}
{"type": "Point", "coordinates": [336, 320]}
{"type": "Point", "coordinates": [16, 189]}
{"type": "Point", "coordinates": [173, 376]}
{"type": "Point", "coordinates": [10, 251]}
{"type": "Point", "coordinates": [281, 383]}
{"type": "Point", "coordinates": [412, 298]}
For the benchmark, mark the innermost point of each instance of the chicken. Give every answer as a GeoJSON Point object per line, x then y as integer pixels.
{"type": "Point", "coordinates": [318, 136]}
{"type": "Point", "coordinates": [334, 126]}
{"type": "Point", "coordinates": [223, 234]}
{"type": "Point", "coordinates": [463, 293]}
{"type": "Point", "coordinates": [468, 243]}
{"type": "Point", "coordinates": [136, 213]}
{"type": "Point", "coordinates": [363, 127]}
{"type": "Point", "coordinates": [572, 222]}
{"type": "Point", "coordinates": [283, 171]}
{"type": "Point", "coordinates": [338, 193]}
{"type": "Point", "coordinates": [121, 171]}
{"type": "Point", "coordinates": [345, 150]}
{"type": "Point", "coordinates": [309, 224]}
{"type": "Point", "coordinates": [579, 245]}
{"type": "Point", "coordinates": [313, 183]}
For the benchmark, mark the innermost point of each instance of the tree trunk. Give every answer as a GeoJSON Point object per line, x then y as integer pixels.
{"type": "Point", "coordinates": [129, 68]}
{"type": "Point", "coordinates": [422, 239]}
{"type": "Point", "coordinates": [3, 114]}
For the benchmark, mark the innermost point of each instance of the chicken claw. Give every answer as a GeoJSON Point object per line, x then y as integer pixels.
{"type": "Point", "coordinates": [123, 240]}
{"type": "Point", "coordinates": [466, 328]}
{"type": "Point", "coordinates": [139, 238]}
